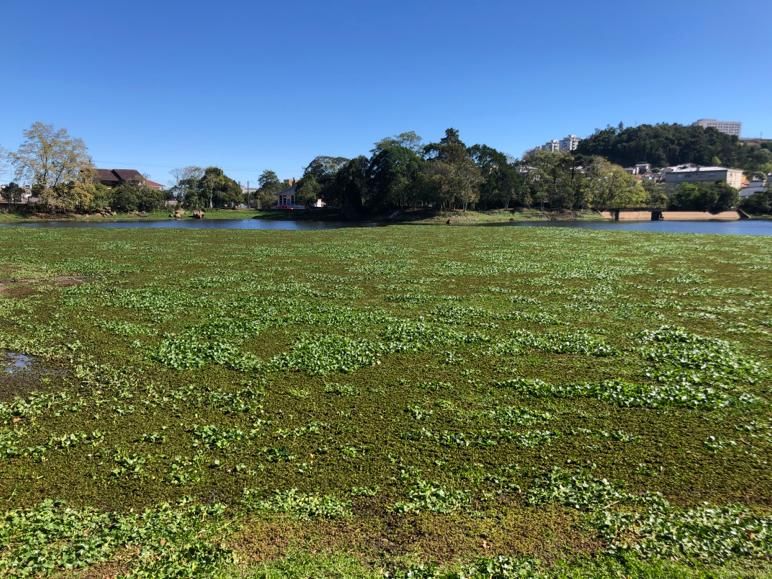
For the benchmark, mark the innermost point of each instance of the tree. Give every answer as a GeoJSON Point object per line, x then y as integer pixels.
{"type": "Point", "coordinates": [70, 196]}
{"type": "Point", "coordinates": [131, 197]}
{"type": "Point", "coordinates": [713, 197]}
{"type": "Point", "coordinates": [185, 181]}
{"type": "Point", "coordinates": [500, 179]}
{"type": "Point", "coordinates": [609, 186]}
{"type": "Point", "coordinates": [308, 190]}
{"type": "Point", "coordinates": [450, 172]}
{"type": "Point", "coordinates": [657, 196]}
{"type": "Point", "coordinates": [391, 174]}
{"type": "Point", "coordinates": [407, 140]}
{"type": "Point", "coordinates": [554, 178]}
{"type": "Point", "coordinates": [50, 158]}
{"type": "Point", "coordinates": [759, 203]}
{"type": "Point", "coordinates": [213, 189]}
{"type": "Point", "coordinates": [318, 179]}
{"type": "Point", "coordinates": [350, 183]}
{"type": "Point", "coordinates": [269, 185]}
{"type": "Point", "coordinates": [12, 193]}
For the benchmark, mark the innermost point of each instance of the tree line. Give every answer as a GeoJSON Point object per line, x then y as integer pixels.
{"type": "Point", "coordinates": [403, 172]}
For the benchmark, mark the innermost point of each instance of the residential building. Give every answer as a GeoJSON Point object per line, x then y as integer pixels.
{"type": "Point", "coordinates": [697, 174]}
{"type": "Point", "coordinates": [115, 177]}
{"type": "Point", "coordinates": [287, 198]}
{"type": "Point", "coordinates": [569, 143]}
{"type": "Point", "coordinates": [728, 127]}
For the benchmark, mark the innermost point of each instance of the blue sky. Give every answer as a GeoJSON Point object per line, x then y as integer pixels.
{"type": "Point", "coordinates": [255, 85]}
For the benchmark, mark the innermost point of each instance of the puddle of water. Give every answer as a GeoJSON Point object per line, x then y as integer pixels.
{"type": "Point", "coordinates": [15, 362]}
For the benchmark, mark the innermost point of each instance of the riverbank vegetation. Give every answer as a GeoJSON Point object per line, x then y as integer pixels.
{"type": "Point", "coordinates": [404, 402]}
{"type": "Point", "coordinates": [404, 173]}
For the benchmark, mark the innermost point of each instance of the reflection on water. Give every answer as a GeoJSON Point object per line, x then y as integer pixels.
{"type": "Point", "coordinates": [744, 227]}
{"type": "Point", "coordinates": [279, 224]}
{"type": "Point", "coordinates": [14, 362]}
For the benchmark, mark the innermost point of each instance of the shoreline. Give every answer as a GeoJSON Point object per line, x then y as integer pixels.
{"type": "Point", "coordinates": [416, 217]}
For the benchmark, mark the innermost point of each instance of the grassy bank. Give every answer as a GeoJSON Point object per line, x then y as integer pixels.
{"type": "Point", "coordinates": [418, 401]}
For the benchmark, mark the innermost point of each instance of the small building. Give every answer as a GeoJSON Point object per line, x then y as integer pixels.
{"type": "Point", "coordinates": [285, 199]}
{"type": "Point", "coordinates": [697, 174]}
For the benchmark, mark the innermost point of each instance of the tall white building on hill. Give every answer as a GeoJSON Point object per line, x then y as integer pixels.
{"type": "Point", "coordinates": [729, 127]}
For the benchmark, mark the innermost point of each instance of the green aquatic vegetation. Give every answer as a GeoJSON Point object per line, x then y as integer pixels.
{"type": "Point", "coordinates": [297, 504]}
{"type": "Point", "coordinates": [631, 394]}
{"type": "Point", "coordinates": [516, 415]}
{"type": "Point", "coordinates": [425, 496]}
{"type": "Point", "coordinates": [560, 343]}
{"type": "Point", "coordinates": [715, 444]}
{"type": "Point", "coordinates": [329, 353]}
{"type": "Point", "coordinates": [716, 358]}
{"type": "Point", "coordinates": [178, 540]}
{"type": "Point", "coordinates": [128, 465]}
{"type": "Point", "coordinates": [126, 329]}
{"type": "Point", "coordinates": [209, 362]}
{"type": "Point", "coordinates": [340, 389]}
{"type": "Point", "coordinates": [217, 438]}
{"type": "Point", "coordinates": [649, 526]}
{"type": "Point", "coordinates": [184, 470]}
{"type": "Point", "coordinates": [185, 352]}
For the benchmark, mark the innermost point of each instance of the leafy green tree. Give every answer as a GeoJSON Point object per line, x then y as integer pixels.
{"type": "Point", "coordinates": [407, 140]}
{"type": "Point", "coordinates": [759, 203]}
{"type": "Point", "coordinates": [308, 190]}
{"type": "Point", "coordinates": [609, 186]}
{"type": "Point", "coordinates": [213, 189]}
{"type": "Point", "coordinates": [656, 193]}
{"type": "Point", "coordinates": [269, 186]}
{"type": "Point", "coordinates": [392, 174]}
{"type": "Point", "coordinates": [501, 180]}
{"type": "Point", "coordinates": [553, 177]}
{"type": "Point", "coordinates": [713, 197]}
{"type": "Point", "coordinates": [12, 193]}
{"type": "Point", "coordinates": [350, 184]}
{"type": "Point", "coordinates": [69, 196]}
{"type": "Point", "coordinates": [450, 175]}
{"type": "Point", "coordinates": [132, 197]}
{"type": "Point", "coordinates": [321, 173]}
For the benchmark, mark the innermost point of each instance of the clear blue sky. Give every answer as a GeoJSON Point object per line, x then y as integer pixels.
{"type": "Point", "coordinates": [255, 85]}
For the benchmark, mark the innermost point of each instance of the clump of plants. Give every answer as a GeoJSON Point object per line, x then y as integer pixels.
{"type": "Point", "coordinates": [298, 504]}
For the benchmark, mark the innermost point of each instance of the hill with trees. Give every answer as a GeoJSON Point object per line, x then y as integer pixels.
{"type": "Point", "coordinates": [665, 145]}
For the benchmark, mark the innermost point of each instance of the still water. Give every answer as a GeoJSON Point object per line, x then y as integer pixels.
{"type": "Point", "coordinates": [286, 225]}
{"type": "Point", "coordinates": [745, 227]}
